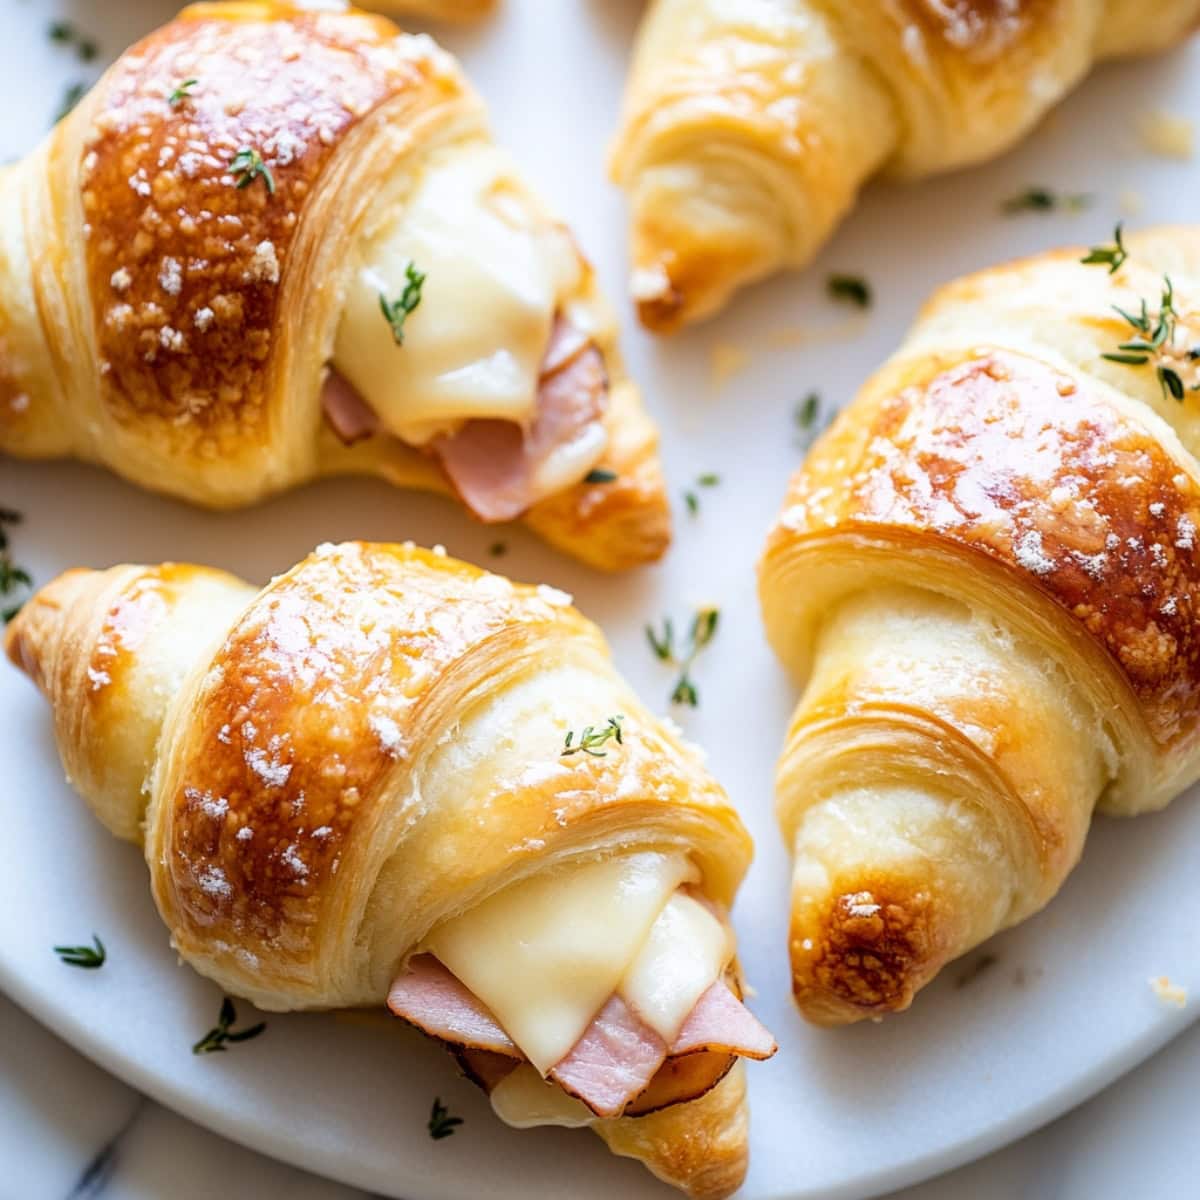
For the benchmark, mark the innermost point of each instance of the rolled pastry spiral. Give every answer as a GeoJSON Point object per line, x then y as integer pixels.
{"type": "Point", "coordinates": [324, 771]}
{"type": "Point", "coordinates": [986, 576]}
{"type": "Point", "coordinates": [749, 128]}
{"type": "Point", "coordinates": [182, 271]}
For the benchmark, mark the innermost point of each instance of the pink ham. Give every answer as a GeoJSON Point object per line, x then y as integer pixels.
{"type": "Point", "coordinates": [349, 415]}
{"type": "Point", "coordinates": [619, 1059]}
{"type": "Point", "coordinates": [492, 464]}
{"type": "Point", "coordinates": [428, 996]}
{"type": "Point", "coordinates": [720, 1021]}
{"type": "Point", "coordinates": [615, 1059]}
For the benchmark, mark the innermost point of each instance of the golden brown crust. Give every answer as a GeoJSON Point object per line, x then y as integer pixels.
{"type": "Point", "coordinates": [621, 523]}
{"type": "Point", "coordinates": [869, 953]}
{"type": "Point", "coordinates": [368, 745]}
{"type": "Point", "coordinates": [438, 10]}
{"type": "Point", "coordinates": [188, 259]}
{"type": "Point", "coordinates": [986, 572]}
{"type": "Point", "coordinates": [176, 255]}
{"type": "Point", "coordinates": [282, 738]}
{"type": "Point", "coordinates": [107, 649]}
{"type": "Point", "coordinates": [1005, 455]}
{"type": "Point", "coordinates": [748, 130]}
{"type": "Point", "coordinates": [698, 1147]}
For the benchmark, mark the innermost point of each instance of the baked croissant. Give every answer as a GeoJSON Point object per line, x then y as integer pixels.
{"type": "Point", "coordinates": [368, 783]}
{"type": "Point", "coordinates": [275, 243]}
{"type": "Point", "coordinates": [986, 574]}
{"type": "Point", "coordinates": [748, 129]}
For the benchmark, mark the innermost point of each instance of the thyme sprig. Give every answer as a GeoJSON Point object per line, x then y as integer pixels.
{"type": "Point", "coordinates": [396, 312]}
{"type": "Point", "coordinates": [90, 958]}
{"type": "Point", "coordinates": [1154, 342]}
{"type": "Point", "coordinates": [591, 739]}
{"type": "Point", "coordinates": [247, 165]}
{"type": "Point", "coordinates": [216, 1039]}
{"type": "Point", "coordinates": [441, 1123]}
{"type": "Point", "coordinates": [1111, 256]}
{"type": "Point", "coordinates": [701, 632]}
{"type": "Point", "coordinates": [13, 579]}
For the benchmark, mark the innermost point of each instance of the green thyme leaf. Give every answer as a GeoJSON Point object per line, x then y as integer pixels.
{"type": "Point", "coordinates": [600, 475]}
{"type": "Point", "coordinates": [217, 1038]}
{"type": "Point", "coordinates": [1040, 199]}
{"type": "Point", "coordinates": [71, 96]}
{"type": "Point", "coordinates": [592, 739]}
{"type": "Point", "coordinates": [182, 92]}
{"type": "Point", "coordinates": [13, 578]}
{"type": "Point", "coordinates": [441, 1123]}
{"type": "Point", "coordinates": [90, 958]}
{"type": "Point", "coordinates": [247, 165]}
{"type": "Point", "coordinates": [396, 312]}
{"type": "Point", "coordinates": [1110, 256]}
{"type": "Point", "coordinates": [851, 289]}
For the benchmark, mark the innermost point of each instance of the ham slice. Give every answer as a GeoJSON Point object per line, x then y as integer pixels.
{"type": "Point", "coordinates": [493, 465]}
{"type": "Point", "coordinates": [348, 414]}
{"type": "Point", "coordinates": [720, 1021]}
{"type": "Point", "coordinates": [619, 1065]}
{"type": "Point", "coordinates": [431, 998]}
{"type": "Point", "coordinates": [615, 1059]}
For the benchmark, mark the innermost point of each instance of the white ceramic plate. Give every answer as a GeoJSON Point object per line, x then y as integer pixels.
{"type": "Point", "coordinates": [1064, 1009]}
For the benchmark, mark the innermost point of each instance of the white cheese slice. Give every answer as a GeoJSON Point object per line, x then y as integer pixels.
{"type": "Point", "coordinates": [546, 954]}
{"type": "Point", "coordinates": [684, 955]}
{"type": "Point", "coordinates": [524, 1099]}
{"type": "Point", "coordinates": [495, 270]}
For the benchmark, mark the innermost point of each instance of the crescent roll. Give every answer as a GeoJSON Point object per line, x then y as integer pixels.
{"type": "Point", "coordinates": [391, 777]}
{"type": "Point", "coordinates": [986, 577]}
{"type": "Point", "coordinates": [276, 243]}
{"type": "Point", "coordinates": [749, 128]}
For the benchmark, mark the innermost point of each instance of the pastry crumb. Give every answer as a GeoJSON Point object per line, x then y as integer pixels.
{"type": "Point", "coordinates": [1170, 993]}
{"type": "Point", "coordinates": [1167, 134]}
{"type": "Point", "coordinates": [725, 362]}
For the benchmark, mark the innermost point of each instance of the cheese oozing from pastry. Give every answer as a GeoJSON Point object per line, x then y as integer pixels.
{"type": "Point", "coordinates": [547, 953]}
{"type": "Point", "coordinates": [496, 272]}
{"type": "Point", "coordinates": [523, 1099]}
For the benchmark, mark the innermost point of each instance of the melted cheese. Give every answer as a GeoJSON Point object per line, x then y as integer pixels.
{"type": "Point", "coordinates": [524, 1099]}
{"type": "Point", "coordinates": [495, 272]}
{"type": "Point", "coordinates": [547, 953]}
{"type": "Point", "coordinates": [684, 955]}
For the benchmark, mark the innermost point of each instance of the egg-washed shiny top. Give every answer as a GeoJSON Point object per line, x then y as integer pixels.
{"type": "Point", "coordinates": [188, 256]}
{"type": "Point", "coordinates": [1004, 455]}
{"type": "Point", "coordinates": [384, 702]}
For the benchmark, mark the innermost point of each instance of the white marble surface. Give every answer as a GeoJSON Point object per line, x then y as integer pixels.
{"type": "Point", "coordinates": [68, 1131]}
